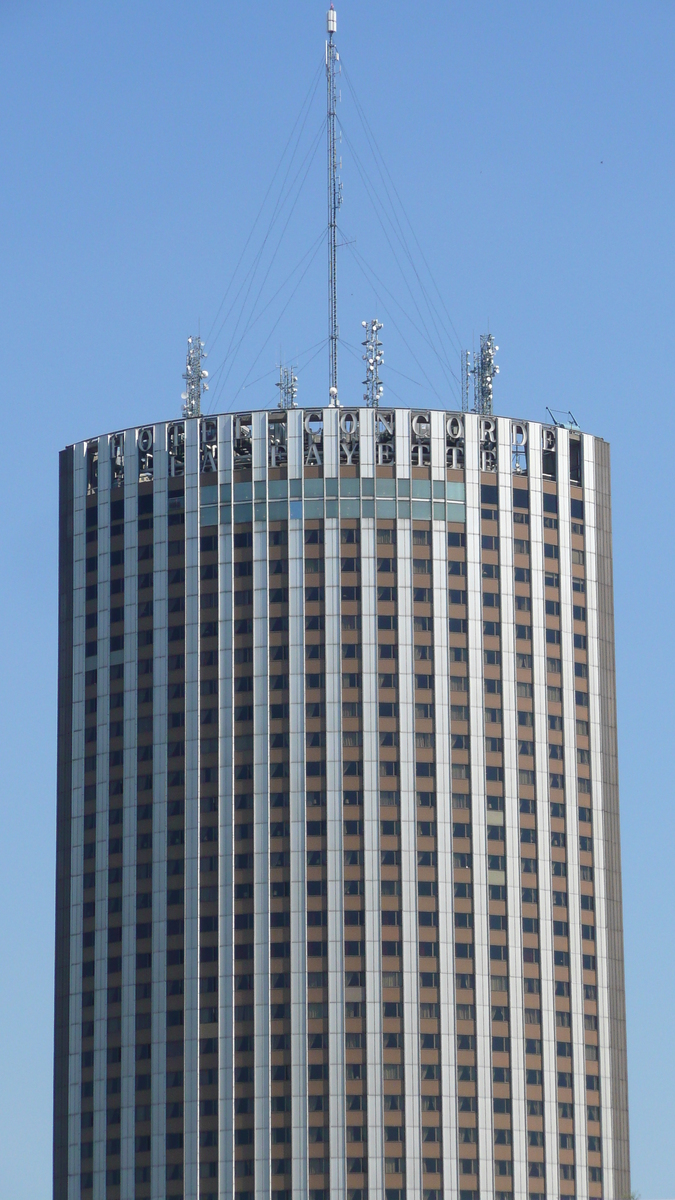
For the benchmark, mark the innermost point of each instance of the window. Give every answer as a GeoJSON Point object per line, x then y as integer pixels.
{"type": "Point", "coordinates": [352, 738]}
{"type": "Point", "coordinates": [384, 622]}
{"type": "Point", "coordinates": [386, 537]}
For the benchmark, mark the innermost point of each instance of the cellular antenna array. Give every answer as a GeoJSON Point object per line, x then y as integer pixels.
{"type": "Point", "coordinates": [483, 371]}
{"type": "Point", "coordinates": [194, 377]}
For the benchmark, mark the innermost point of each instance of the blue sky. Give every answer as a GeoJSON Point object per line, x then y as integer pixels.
{"type": "Point", "coordinates": [531, 148]}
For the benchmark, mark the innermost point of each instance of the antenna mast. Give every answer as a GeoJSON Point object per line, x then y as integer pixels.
{"type": "Point", "coordinates": [483, 370]}
{"type": "Point", "coordinates": [466, 371]}
{"type": "Point", "coordinates": [334, 201]}
{"type": "Point", "coordinates": [373, 359]}
{"type": "Point", "coordinates": [288, 388]}
{"type": "Point", "coordinates": [194, 374]}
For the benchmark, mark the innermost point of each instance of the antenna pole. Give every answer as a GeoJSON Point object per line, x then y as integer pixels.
{"type": "Point", "coordinates": [334, 200]}
{"type": "Point", "coordinates": [373, 359]}
{"type": "Point", "coordinates": [194, 376]}
{"type": "Point", "coordinates": [288, 388]}
{"type": "Point", "coordinates": [484, 370]}
{"type": "Point", "coordinates": [466, 371]}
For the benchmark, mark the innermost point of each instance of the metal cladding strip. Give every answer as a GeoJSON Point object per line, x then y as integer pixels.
{"type": "Point", "coordinates": [617, 1101]}
{"type": "Point", "coordinates": [409, 906]}
{"type": "Point", "coordinates": [371, 841]}
{"type": "Point", "coordinates": [366, 442]}
{"type": "Point", "coordinates": [297, 815]}
{"type": "Point", "coordinates": [446, 941]}
{"type": "Point", "coordinates": [478, 810]}
{"type": "Point", "coordinates": [511, 811]}
{"type": "Point", "coordinates": [130, 668]}
{"type": "Point", "coordinates": [102, 808]}
{"type": "Point", "coordinates": [546, 971]}
{"type": "Point", "coordinates": [335, 854]}
{"type": "Point", "coordinates": [77, 829]}
{"type": "Point", "coordinates": [371, 829]}
{"type": "Point", "coordinates": [597, 802]}
{"type": "Point", "coordinates": [572, 813]}
{"type": "Point", "coordinates": [191, 935]}
{"type": "Point", "coordinates": [225, 832]}
{"type": "Point", "coordinates": [402, 443]}
{"type": "Point", "coordinates": [159, 819]}
{"type": "Point", "coordinates": [261, 824]}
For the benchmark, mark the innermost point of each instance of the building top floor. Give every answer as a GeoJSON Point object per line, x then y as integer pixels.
{"type": "Point", "coordinates": [324, 443]}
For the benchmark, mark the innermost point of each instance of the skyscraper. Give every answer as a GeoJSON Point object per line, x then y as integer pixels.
{"type": "Point", "coordinates": [339, 886]}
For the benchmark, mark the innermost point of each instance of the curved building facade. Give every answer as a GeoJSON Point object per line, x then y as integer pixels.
{"type": "Point", "coordinates": [339, 888]}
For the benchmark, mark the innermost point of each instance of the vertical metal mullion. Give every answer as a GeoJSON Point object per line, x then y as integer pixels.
{"type": "Point", "coordinates": [334, 827]}
{"type": "Point", "coordinates": [191, 934]}
{"type": "Point", "coordinates": [544, 879]}
{"type": "Point", "coordinates": [77, 826]}
{"type": "Point", "coordinates": [226, 832]}
{"type": "Point", "coordinates": [511, 812]}
{"type": "Point", "coordinates": [128, 1039]}
{"type": "Point", "coordinates": [597, 807]}
{"type": "Point", "coordinates": [572, 814]}
{"type": "Point", "coordinates": [478, 810]}
{"type": "Point", "coordinates": [159, 814]}
{"type": "Point", "coordinates": [261, 817]}
{"type": "Point", "coordinates": [297, 814]}
{"type": "Point", "coordinates": [371, 844]}
{"type": "Point", "coordinates": [616, 1102]}
{"type": "Point", "coordinates": [446, 939]}
{"type": "Point", "coordinates": [409, 905]}
{"type": "Point", "coordinates": [102, 808]}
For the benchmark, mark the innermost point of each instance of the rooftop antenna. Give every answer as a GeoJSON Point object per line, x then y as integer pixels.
{"type": "Point", "coordinates": [334, 202]}
{"type": "Point", "coordinates": [288, 388]}
{"type": "Point", "coordinates": [466, 371]}
{"type": "Point", "coordinates": [373, 359]}
{"type": "Point", "coordinates": [484, 370]}
{"type": "Point", "coordinates": [194, 376]}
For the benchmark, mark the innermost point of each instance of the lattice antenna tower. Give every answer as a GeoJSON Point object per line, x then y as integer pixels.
{"type": "Point", "coordinates": [465, 360]}
{"type": "Point", "coordinates": [334, 200]}
{"type": "Point", "coordinates": [288, 388]}
{"type": "Point", "coordinates": [194, 378]}
{"type": "Point", "coordinates": [373, 359]}
{"type": "Point", "coordinates": [484, 370]}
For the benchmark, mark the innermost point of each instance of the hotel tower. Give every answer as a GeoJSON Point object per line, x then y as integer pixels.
{"type": "Point", "coordinates": [339, 882]}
